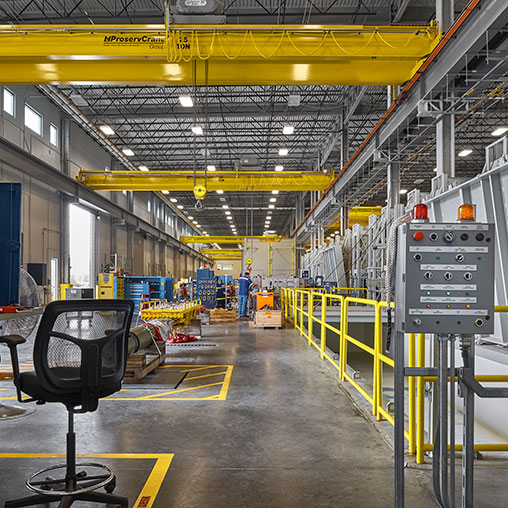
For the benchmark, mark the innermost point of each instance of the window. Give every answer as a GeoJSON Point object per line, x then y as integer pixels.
{"type": "Point", "coordinates": [124, 192]}
{"type": "Point", "coordinates": [149, 206]}
{"type": "Point", "coordinates": [53, 136]}
{"type": "Point", "coordinates": [33, 120]}
{"type": "Point", "coordinates": [8, 102]}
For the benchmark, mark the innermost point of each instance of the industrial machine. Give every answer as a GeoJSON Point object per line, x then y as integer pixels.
{"type": "Point", "coordinates": [207, 292]}
{"type": "Point", "coordinates": [443, 276]}
{"type": "Point", "coordinates": [79, 293]}
{"type": "Point", "coordinates": [143, 288]}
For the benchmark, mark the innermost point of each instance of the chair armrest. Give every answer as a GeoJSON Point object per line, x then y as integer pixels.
{"type": "Point", "coordinates": [12, 340]}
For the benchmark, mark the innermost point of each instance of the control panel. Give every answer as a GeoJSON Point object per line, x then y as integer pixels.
{"type": "Point", "coordinates": [207, 293]}
{"type": "Point", "coordinates": [445, 278]}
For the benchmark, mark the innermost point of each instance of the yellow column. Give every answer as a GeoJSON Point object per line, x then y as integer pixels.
{"type": "Point", "coordinates": [412, 394]}
{"type": "Point", "coordinates": [343, 342]}
{"type": "Point", "coordinates": [420, 405]}
{"type": "Point", "coordinates": [310, 312]}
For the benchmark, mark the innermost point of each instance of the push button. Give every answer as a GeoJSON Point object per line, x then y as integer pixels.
{"type": "Point", "coordinates": [418, 236]}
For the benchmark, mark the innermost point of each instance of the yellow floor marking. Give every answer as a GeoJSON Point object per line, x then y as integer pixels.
{"type": "Point", "coordinates": [195, 369]}
{"type": "Point", "coordinates": [225, 385]}
{"type": "Point", "coordinates": [206, 375]}
{"type": "Point", "coordinates": [152, 485]}
{"type": "Point", "coordinates": [147, 397]}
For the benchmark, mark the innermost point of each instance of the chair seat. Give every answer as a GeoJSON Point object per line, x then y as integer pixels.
{"type": "Point", "coordinates": [30, 384]}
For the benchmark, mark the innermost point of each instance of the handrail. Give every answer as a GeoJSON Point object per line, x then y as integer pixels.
{"type": "Point", "coordinates": [298, 303]}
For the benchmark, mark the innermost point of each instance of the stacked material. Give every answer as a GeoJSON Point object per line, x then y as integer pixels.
{"type": "Point", "coordinates": [179, 313]}
{"type": "Point", "coordinates": [267, 319]}
{"type": "Point", "coordinates": [222, 316]}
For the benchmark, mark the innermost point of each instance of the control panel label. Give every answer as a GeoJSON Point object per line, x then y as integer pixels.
{"type": "Point", "coordinates": [456, 268]}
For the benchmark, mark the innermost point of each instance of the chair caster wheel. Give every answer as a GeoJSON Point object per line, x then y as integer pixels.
{"type": "Point", "coordinates": [110, 487]}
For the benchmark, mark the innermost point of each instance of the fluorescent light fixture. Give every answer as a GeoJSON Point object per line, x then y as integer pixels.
{"type": "Point", "coordinates": [128, 152]}
{"type": "Point", "coordinates": [279, 167]}
{"type": "Point", "coordinates": [173, 200]}
{"type": "Point", "coordinates": [271, 206]}
{"type": "Point", "coordinates": [227, 212]}
{"type": "Point", "coordinates": [190, 217]}
{"type": "Point", "coordinates": [403, 191]}
{"type": "Point", "coordinates": [275, 192]}
{"type": "Point", "coordinates": [106, 129]}
{"type": "Point", "coordinates": [220, 191]}
{"type": "Point", "coordinates": [197, 130]}
{"type": "Point", "coordinates": [225, 207]}
{"type": "Point", "coordinates": [211, 167]}
{"type": "Point", "coordinates": [288, 129]}
{"type": "Point", "coordinates": [465, 152]}
{"type": "Point", "coordinates": [500, 131]}
{"type": "Point", "coordinates": [273, 200]}
{"type": "Point", "coordinates": [186, 101]}
{"type": "Point", "coordinates": [165, 192]}
{"type": "Point", "coordinates": [283, 152]}
{"type": "Point", "coordinates": [180, 207]}
{"type": "Point", "coordinates": [194, 222]}
{"type": "Point", "coordinates": [143, 168]}
{"type": "Point", "coordinates": [229, 217]}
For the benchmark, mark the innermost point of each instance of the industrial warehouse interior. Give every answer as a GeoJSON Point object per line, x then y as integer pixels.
{"type": "Point", "coordinates": [254, 253]}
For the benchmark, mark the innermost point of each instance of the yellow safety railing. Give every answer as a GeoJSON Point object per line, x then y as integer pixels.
{"type": "Point", "coordinates": [312, 304]}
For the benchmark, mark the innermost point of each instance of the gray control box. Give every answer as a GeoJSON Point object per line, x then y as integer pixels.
{"type": "Point", "coordinates": [445, 278]}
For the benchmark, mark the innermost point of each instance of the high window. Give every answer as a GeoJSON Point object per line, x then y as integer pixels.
{"type": "Point", "coordinates": [33, 120]}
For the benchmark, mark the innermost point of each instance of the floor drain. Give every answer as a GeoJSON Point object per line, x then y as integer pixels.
{"type": "Point", "coordinates": [191, 344]}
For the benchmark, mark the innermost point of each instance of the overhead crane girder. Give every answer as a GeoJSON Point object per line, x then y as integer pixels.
{"type": "Point", "coordinates": [357, 215]}
{"type": "Point", "coordinates": [221, 54]}
{"type": "Point", "coordinates": [228, 239]}
{"type": "Point", "coordinates": [222, 253]}
{"type": "Point", "coordinates": [224, 180]}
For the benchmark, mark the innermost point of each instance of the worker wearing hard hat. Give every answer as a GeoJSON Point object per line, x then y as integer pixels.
{"type": "Point", "coordinates": [244, 284]}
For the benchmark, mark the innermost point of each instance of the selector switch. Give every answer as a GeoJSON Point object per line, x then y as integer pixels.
{"type": "Point", "coordinates": [459, 258]}
{"type": "Point", "coordinates": [449, 237]}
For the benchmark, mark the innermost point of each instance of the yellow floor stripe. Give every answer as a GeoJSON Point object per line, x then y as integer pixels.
{"type": "Point", "coordinates": [225, 385]}
{"type": "Point", "coordinates": [148, 397]}
{"type": "Point", "coordinates": [152, 486]}
{"type": "Point", "coordinates": [205, 375]}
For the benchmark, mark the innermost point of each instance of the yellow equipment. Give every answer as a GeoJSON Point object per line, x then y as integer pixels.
{"type": "Point", "coordinates": [106, 286]}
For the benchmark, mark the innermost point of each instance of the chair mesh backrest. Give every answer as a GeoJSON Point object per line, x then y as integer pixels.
{"type": "Point", "coordinates": [79, 337]}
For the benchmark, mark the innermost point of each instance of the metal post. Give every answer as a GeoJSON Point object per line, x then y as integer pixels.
{"type": "Point", "coordinates": [445, 145]}
{"type": "Point", "coordinates": [445, 14]}
{"type": "Point", "coordinates": [344, 220]}
{"type": "Point", "coordinates": [442, 393]}
{"type": "Point", "coordinates": [398, 351]}
{"type": "Point", "coordinates": [344, 143]}
{"type": "Point", "coordinates": [393, 187]}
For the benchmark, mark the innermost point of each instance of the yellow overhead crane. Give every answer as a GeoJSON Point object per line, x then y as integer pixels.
{"type": "Point", "coordinates": [214, 54]}
{"type": "Point", "coordinates": [357, 215]}
{"type": "Point", "coordinates": [222, 253]}
{"type": "Point", "coordinates": [228, 239]}
{"type": "Point", "coordinates": [224, 180]}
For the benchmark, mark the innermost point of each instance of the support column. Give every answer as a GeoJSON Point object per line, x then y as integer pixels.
{"type": "Point", "coordinates": [344, 144]}
{"type": "Point", "coordinates": [393, 186]}
{"type": "Point", "coordinates": [65, 266]}
{"type": "Point", "coordinates": [445, 14]}
{"type": "Point", "coordinates": [344, 220]}
{"type": "Point", "coordinates": [445, 145]}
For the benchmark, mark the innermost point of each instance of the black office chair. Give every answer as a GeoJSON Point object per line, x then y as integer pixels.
{"type": "Point", "coordinates": [80, 355]}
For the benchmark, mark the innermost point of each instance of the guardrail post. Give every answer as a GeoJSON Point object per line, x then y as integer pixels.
{"type": "Point", "coordinates": [378, 341]}
{"type": "Point", "coordinates": [343, 333]}
{"type": "Point", "coordinates": [412, 394]}
{"type": "Point", "coordinates": [420, 406]}
{"type": "Point", "coordinates": [295, 313]}
{"type": "Point", "coordinates": [301, 312]}
{"type": "Point", "coordinates": [310, 313]}
{"type": "Point", "coordinates": [322, 344]}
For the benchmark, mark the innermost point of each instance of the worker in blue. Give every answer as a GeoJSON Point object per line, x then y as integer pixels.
{"type": "Point", "coordinates": [221, 295]}
{"type": "Point", "coordinates": [244, 284]}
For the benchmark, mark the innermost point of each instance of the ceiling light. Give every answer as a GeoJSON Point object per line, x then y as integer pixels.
{"type": "Point", "coordinates": [288, 129]}
{"type": "Point", "coordinates": [435, 170]}
{"type": "Point", "coordinates": [211, 167]}
{"type": "Point", "coordinates": [418, 181]}
{"type": "Point", "coordinates": [465, 152]}
{"type": "Point", "coordinates": [333, 234]}
{"type": "Point", "coordinates": [279, 167]}
{"type": "Point", "coordinates": [173, 200]}
{"type": "Point", "coordinates": [225, 207]}
{"type": "Point", "coordinates": [128, 152]}
{"type": "Point", "coordinates": [220, 191]}
{"type": "Point", "coordinates": [229, 217]}
{"type": "Point", "coordinates": [271, 231]}
{"type": "Point", "coordinates": [500, 131]}
{"type": "Point", "coordinates": [337, 232]}
{"type": "Point", "coordinates": [190, 217]}
{"type": "Point", "coordinates": [186, 101]}
{"type": "Point", "coordinates": [271, 206]}
{"type": "Point", "coordinates": [273, 200]}
{"type": "Point", "coordinates": [180, 207]}
{"type": "Point", "coordinates": [194, 222]}
{"type": "Point", "coordinates": [107, 130]}
{"type": "Point", "coordinates": [165, 192]}
{"type": "Point", "coordinates": [227, 212]}
{"type": "Point", "coordinates": [269, 213]}
{"type": "Point", "coordinates": [197, 130]}
{"type": "Point", "coordinates": [283, 152]}
{"type": "Point", "coordinates": [294, 100]}
{"type": "Point", "coordinates": [275, 192]}
{"type": "Point", "coordinates": [143, 168]}
{"type": "Point", "coordinates": [403, 191]}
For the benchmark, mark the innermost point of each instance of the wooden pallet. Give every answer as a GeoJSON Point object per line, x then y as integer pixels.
{"type": "Point", "coordinates": [140, 364]}
{"type": "Point", "coordinates": [222, 316]}
{"type": "Point", "coordinates": [267, 319]}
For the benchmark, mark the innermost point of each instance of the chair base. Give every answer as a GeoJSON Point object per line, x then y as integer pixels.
{"type": "Point", "coordinates": [10, 412]}
{"type": "Point", "coordinates": [66, 501]}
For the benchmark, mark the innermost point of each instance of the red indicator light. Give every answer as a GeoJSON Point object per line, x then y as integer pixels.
{"type": "Point", "coordinates": [420, 212]}
{"type": "Point", "coordinates": [418, 236]}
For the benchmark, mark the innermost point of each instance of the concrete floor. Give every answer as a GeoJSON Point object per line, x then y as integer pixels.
{"type": "Point", "coordinates": [286, 435]}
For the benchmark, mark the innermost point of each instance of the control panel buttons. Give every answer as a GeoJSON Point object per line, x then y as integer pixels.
{"type": "Point", "coordinates": [459, 258]}
{"type": "Point", "coordinates": [480, 236]}
{"type": "Point", "coordinates": [468, 276]}
{"type": "Point", "coordinates": [449, 237]}
{"type": "Point", "coordinates": [428, 275]}
{"type": "Point", "coordinates": [418, 236]}
{"type": "Point", "coordinates": [448, 275]}
{"type": "Point", "coordinates": [433, 237]}
{"type": "Point", "coordinates": [464, 237]}
{"type": "Point", "coordinates": [417, 257]}
{"type": "Point", "coordinates": [417, 321]}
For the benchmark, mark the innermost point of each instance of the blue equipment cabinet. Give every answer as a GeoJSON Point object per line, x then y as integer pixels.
{"type": "Point", "coordinates": [143, 288]}
{"type": "Point", "coordinates": [10, 242]}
